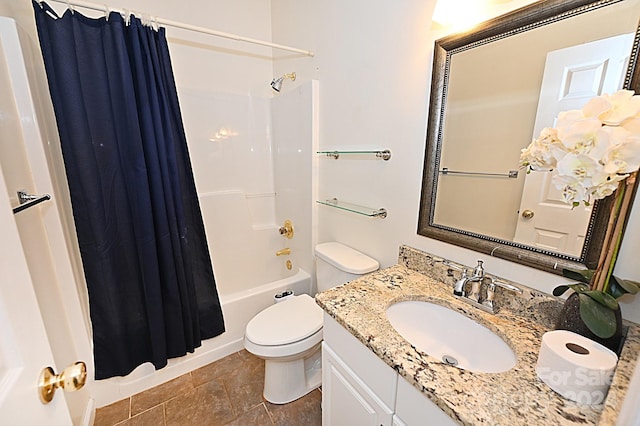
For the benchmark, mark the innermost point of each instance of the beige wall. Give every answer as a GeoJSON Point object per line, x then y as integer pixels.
{"type": "Point", "coordinates": [373, 60]}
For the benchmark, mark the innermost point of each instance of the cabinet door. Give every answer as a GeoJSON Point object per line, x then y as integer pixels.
{"type": "Point", "coordinates": [346, 400]}
{"type": "Point", "coordinates": [413, 408]}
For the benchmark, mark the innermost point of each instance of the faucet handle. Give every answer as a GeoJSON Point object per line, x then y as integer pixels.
{"type": "Point", "coordinates": [491, 289]}
{"type": "Point", "coordinates": [479, 269]}
{"type": "Point", "coordinates": [458, 288]}
{"type": "Point", "coordinates": [453, 265]}
{"type": "Point", "coordinates": [488, 301]}
{"type": "Point", "coordinates": [496, 282]}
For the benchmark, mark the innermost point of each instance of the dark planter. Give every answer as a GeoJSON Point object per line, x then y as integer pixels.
{"type": "Point", "coordinates": [569, 319]}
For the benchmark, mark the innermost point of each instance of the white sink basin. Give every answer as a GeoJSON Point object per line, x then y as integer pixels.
{"type": "Point", "coordinates": [451, 337]}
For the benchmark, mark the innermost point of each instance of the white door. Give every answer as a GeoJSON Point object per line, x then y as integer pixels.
{"type": "Point", "coordinates": [571, 77]}
{"type": "Point", "coordinates": [24, 344]}
{"type": "Point", "coordinates": [24, 347]}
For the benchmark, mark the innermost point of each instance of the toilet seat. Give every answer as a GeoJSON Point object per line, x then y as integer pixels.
{"type": "Point", "coordinates": [286, 323]}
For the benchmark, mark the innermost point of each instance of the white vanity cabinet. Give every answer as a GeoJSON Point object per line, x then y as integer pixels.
{"type": "Point", "coordinates": [359, 389]}
{"type": "Point", "coordinates": [346, 399]}
{"type": "Point", "coordinates": [413, 408]}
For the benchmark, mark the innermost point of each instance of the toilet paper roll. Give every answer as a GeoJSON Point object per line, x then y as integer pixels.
{"type": "Point", "coordinates": [577, 368]}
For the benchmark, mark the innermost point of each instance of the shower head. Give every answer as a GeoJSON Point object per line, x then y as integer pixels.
{"type": "Point", "coordinates": [276, 83]}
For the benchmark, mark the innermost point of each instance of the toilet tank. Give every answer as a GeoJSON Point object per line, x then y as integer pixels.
{"type": "Point", "coordinates": [337, 264]}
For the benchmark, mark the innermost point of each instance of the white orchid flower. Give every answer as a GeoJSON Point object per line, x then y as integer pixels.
{"type": "Point", "coordinates": [607, 138]}
{"type": "Point", "coordinates": [602, 191]}
{"type": "Point", "coordinates": [578, 134]}
{"type": "Point", "coordinates": [573, 192]}
{"type": "Point", "coordinates": [540, 153]}
{"type": "Point", "coordinates": [632, 124]}
{"type": "Point", "coordinates": [623, 157]}
{"type": "Point", "coordinates": [602, 178]}
{"type": "Point", "coordinates": [578, 166]}
{"type": "Point", "coordinates": [613, 109]}
{"type": "Point", "coordinates": [566, 118]}
{"type": "Point", "coordinates": [592, 149]}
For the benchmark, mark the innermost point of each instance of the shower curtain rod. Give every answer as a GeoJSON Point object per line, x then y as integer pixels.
{"type": "Point", "coordinates": [175, 24]}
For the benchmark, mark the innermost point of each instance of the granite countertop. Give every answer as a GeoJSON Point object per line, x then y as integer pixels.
{"type": "Point", "coordinates": [516, 396]}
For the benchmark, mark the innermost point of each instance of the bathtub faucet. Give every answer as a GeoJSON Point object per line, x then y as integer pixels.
{"type": "Point", "coordinates": [283, 252]}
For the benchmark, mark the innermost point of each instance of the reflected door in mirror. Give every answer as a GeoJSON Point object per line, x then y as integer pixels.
{"type": "Point", "coordinates": [572, 76]}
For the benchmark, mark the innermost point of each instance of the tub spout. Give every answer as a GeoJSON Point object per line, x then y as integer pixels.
{"type": "Point", "coordinates": [283, 252]}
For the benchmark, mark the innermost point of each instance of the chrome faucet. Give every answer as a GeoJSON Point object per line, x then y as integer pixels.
{"type": "Point", "coordinates": [474, 297]}
{"type": "Point", "coordinates": [458, 288]}
{"type": "Point", "coordinates": [476, 279]}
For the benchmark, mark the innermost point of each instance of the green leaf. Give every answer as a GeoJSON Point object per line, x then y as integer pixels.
{"type": "Point", "coordinates": [600, 319]}
{"type": "Point", "coordinates": [582, 275]}
{"type": "Point", "coordinates": [628, 285]}
{"type": "Point", "coordinates": [578, 288]}
{"type": "Point", "coordinates": [603, 298]}
{"type": "Point", "coordinates": [560, 290]}
{"type": "Point", "coordinates": [615, 290]}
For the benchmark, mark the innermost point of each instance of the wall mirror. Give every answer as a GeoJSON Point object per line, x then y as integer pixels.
{"type": "Point", "coordinates": [493, 89]}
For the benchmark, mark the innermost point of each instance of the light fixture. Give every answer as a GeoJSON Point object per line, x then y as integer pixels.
{"type": "Point", "coordinates": [460, 15]}
{"type": "Point", "coordinates": [276, 83]}
{"type": "Point", "coordinates": [223, 133]}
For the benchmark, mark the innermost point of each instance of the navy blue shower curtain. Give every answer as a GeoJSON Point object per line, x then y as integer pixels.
{"type": "Point", "coordinates": [152, 292]}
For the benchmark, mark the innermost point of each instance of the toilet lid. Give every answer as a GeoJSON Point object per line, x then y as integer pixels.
{"type": "Point", "coordinates": [285, 322]}
{"type": "Point", "coordinates": [345, 258]}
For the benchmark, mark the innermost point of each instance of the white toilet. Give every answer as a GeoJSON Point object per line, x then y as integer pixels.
{"type": "Point", "coordinates": [288, 335]}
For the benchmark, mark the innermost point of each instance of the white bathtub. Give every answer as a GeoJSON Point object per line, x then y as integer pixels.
{"type": "Point", "coordinates": [238, 309]}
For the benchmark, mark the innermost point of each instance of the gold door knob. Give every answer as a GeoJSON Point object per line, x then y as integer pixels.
{"type": "Point", "coordinates": [527, 214]}
{"type": "Point", "coordinates": [71, 379]}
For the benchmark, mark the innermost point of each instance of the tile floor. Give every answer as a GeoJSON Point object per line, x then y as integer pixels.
{"type": "Point", "coordinates": [225, 392]}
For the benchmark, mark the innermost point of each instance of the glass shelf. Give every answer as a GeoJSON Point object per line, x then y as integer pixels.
{"type": "Point", "coordinates": [384, 154]}
{"type": "Point", "coordinates": [354, 208]}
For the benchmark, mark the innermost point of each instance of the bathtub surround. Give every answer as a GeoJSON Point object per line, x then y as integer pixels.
{"type": "Point", "coordinates": [152, 293]}
{"type": "Point", "coordinates": [242, 230]}
{"type": "Point", "coordinates": [517, 395]}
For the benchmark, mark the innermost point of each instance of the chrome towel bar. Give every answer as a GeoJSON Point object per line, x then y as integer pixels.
{"type": "Point", "coordinates": [513, 174]}
{"type": "Point", "coordinates": [27, 200]}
